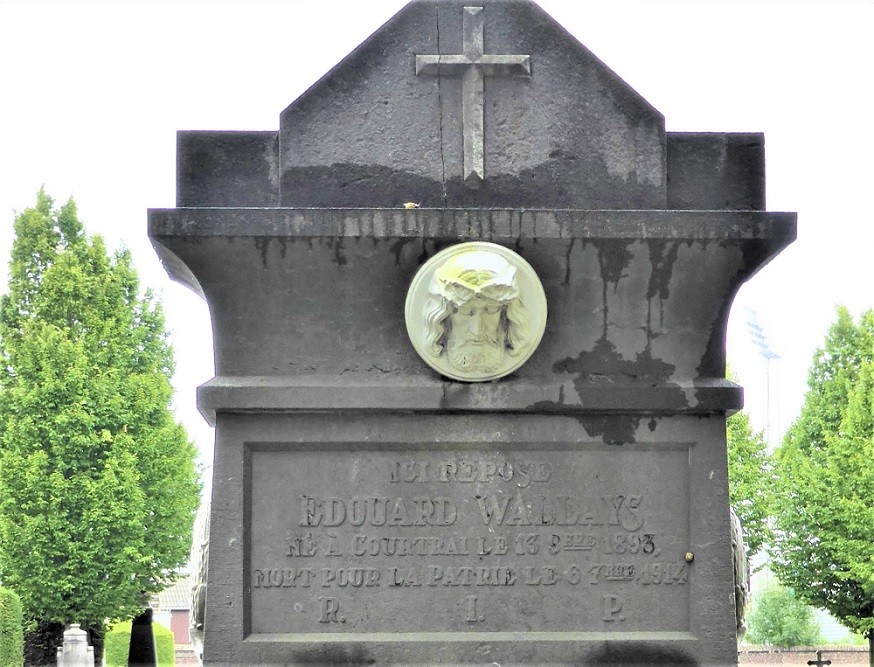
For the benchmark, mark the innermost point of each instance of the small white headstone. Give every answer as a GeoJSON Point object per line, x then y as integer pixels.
{"type": "Point", "coordinates": [76, 652]}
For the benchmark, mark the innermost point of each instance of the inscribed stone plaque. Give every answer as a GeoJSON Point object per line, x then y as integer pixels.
{"type": "Point", "coordinates": [449, 538]}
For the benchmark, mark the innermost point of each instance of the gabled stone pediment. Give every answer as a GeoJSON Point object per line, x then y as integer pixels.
{"type": "Point", "coordinates": [394, 123]}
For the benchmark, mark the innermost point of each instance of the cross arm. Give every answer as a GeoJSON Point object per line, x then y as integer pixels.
{"type": "Point", "coordinates": [488, 65]}
{"type": "Point", "coordinates": [495, 65]}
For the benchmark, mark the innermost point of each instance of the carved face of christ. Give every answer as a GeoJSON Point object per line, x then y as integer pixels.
{"type": "Point", "coordinates": [477, 339]}
{"type": "Point", "coordinates": [467, 312]}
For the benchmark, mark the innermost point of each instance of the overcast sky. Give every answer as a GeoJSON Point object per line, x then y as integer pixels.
{"type": "Point", "coordinates": [92, 94]}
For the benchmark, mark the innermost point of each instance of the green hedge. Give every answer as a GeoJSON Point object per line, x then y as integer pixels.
{"type": "Point", "coordinates": [117, 645]}
{"type": "Point", "coordinates": [11, 630]}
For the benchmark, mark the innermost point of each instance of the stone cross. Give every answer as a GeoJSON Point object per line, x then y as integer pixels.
{"type": "Point", "coordinates": [819, 662]}
{"type": "Point", "coordinates": [473, 65]}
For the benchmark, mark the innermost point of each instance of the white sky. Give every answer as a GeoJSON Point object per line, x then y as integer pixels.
{"type": "Point", "coordinates": [92, 94]}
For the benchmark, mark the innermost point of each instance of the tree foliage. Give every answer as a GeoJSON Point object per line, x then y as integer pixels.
{"type": "Point", "coordinates": [750, 480]}
{"type": "Point", "coordinates": [11, 630]}
{"type": "Point", "coordinates": [118, 645]}
{"type": "Point", "coordinates": [780, 618]}
{"type": "Point", "coordinates": [824, 511]}
{"type": "Point", "coordinates": [98, 487]}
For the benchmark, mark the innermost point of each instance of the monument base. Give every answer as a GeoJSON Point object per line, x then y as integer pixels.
{"type": "Point", "coordinates": [462, 538]}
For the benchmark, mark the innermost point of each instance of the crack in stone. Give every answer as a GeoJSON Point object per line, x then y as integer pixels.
{"type": "Point", "coordinates": [440, 105]}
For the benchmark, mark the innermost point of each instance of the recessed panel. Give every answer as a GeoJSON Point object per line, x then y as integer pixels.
{"type": "Point", "coordinates": [414, 538]}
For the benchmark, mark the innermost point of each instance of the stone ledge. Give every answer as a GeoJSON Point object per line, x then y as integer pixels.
{"type": "Point", "coordinates": [271, 394]}
{"type": "Point", "coordinates": [472, 224]}
{"type": "Point", "coordinates": [678, 637]}
{"type": "Point", "coordinates": [749, 654]}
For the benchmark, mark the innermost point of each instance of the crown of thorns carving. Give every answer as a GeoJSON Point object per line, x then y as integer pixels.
{"type": "Point", "coordinates": [471, 274]}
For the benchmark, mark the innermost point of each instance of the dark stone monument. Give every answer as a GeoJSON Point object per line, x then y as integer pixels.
{"type": "Point", "coordinates": [367, 508]}
{"type": "Point", "coordinates": [142, 651]}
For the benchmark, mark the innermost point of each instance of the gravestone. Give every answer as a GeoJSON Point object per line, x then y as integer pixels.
{"type": "Point", "coordinates": [75, 651]}
{"type": "Point", "coordinates": [542, 482]}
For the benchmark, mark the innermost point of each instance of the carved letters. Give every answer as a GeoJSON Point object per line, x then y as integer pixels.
{"type": "Point", "coordinates": [416, 511]}
{"type": "Point", "coordinates": [478, 526]}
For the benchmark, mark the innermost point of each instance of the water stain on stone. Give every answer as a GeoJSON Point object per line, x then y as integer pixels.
{"type": "Point", "coordinates": [628, 653]}
{"type": "Point", "coordinates": [333, 655]}
{"type": "Point", "coordinates": [397, 248]}
{"type": "Point", "coordinates": [603, 362]}
{"type": "Point", "coordinates": [262, 243]}
{"type": "Point", "coordinates": [554, 183]}
{"type": "Point", "coordinates": [336, 244]}
{"type": "Point", "coordinates": [612, 429]}
{"type": "Point", "coordinates": [424, 255]}
{"type": "Point", "coordinates": [603, 365]}
{"type": "Point", "coordinates": [567, 263]}
{"type": "Point", "coordinates": [614, 256]}
{"type": "Point", "coordinates": [662, 257]}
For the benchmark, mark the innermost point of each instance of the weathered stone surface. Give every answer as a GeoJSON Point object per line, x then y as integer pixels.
{"type": "Point", "coordinates": [570, 135]}
{"type": "Point", "coordinates": [713, 171]}
{"type": "Point", "coordinates": [227, 169]}
{"type": "Point", "coordinates": [367, 510]}
{"type": "Point", "coordinates": [629, 302]}
{"type": "Point", "coordinates": [277, 473]}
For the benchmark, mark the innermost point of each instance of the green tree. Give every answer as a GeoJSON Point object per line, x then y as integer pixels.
{"type": "Point", "coordinates": [98, 487]}
{"type": "Point", "coordinates": [824, 510]}
{"type": "Point", "coordinates": [750, 481]}
{"type": "Point", "coordinates": [11, 631]}
{"type": "Point", "coordinates": [118, 645]}
{"type": "Point", "coordinates": [780, 618]}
